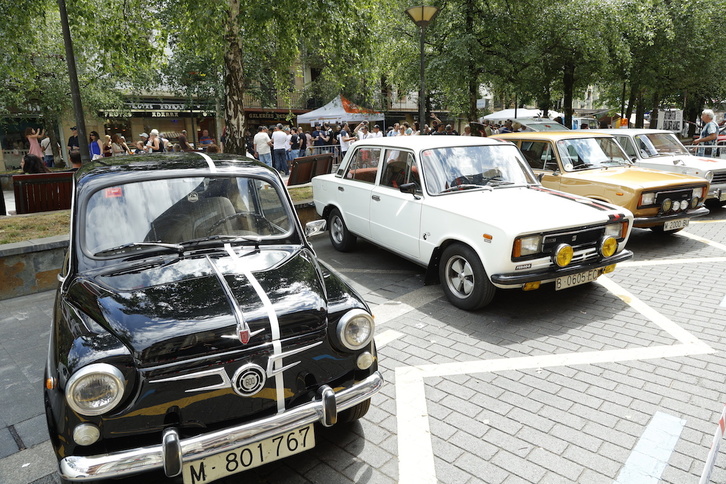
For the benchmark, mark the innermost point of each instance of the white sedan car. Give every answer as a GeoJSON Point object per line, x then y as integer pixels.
{"type": "Point", "coordinates": [659, 149]}
{"type": "Point", "coordinates": [471, 211]}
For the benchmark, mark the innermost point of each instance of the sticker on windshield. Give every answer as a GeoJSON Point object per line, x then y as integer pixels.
{"type": "Point", "coordinates": [568, 166]}
{"type": "Point", "coordinates": [113, 192]}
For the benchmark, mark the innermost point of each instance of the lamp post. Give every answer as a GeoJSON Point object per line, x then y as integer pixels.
{"type": "Point", "coordinates": [422, 16]}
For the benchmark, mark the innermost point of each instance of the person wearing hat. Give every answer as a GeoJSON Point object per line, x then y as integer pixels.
{"type": "Point", "coordinates": [73, 144]}
{"type": "Point", "coordinates": [376, 133]}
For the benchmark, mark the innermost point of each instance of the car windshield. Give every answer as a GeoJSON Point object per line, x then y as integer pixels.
{"type": "Point", "coordinates": [589, 153]}
{"type": "Point", "coordinates": [473, 167]}
{"type": "Point", "coordinates": [659, 144]}
{"type": "Point", "coordinates": [174, 213]}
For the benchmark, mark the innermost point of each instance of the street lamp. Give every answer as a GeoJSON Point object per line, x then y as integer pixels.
{"type": "Point", "coordinates": [422, 16]}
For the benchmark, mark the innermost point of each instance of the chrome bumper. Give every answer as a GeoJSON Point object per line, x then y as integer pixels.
{"type": "Point", "coordinates": [172, 452]}
{"type": "Point", "coordinates": [519, 278]}
{"type": "Point", "coordinates": [644, 222]}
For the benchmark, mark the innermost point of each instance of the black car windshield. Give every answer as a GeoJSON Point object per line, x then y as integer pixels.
{"type": "Point", "coordinates": [659, 144]}
{"type": "Point", "coordinates": [473, 167]}
{"type": "Point", "coordinates": [590, 153]}
{"type": "Point", "coordinates": [161, 215]}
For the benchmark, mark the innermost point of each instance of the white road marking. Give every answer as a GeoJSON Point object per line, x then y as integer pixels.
{"type": "Point", "coordinates": [415, 451]}
{"type": "Point", "coordinates": [653, 450]}
{"type": "Point", "coordinates": [663, 262]}
{"type": "Point", "coordinates": [386, 337]}
{"type": "Point", "coordinates": [703, 240]}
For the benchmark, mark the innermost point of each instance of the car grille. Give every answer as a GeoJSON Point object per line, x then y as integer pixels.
{"type": "Point", "coordinates": [578, 239]}
{"type": "Point", "coordinates": [675, 195]}
{"type": "Point", "coordinates": [719, 177]}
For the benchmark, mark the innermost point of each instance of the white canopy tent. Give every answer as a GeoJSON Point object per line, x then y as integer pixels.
{"type": "Point", "coordinates": [505, 114]}
{"type": "Point", "coordinates": [339, 110]}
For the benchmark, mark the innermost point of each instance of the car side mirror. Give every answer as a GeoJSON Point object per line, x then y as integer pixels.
{"type": "Point", "coordinates": [409, 188]}
{"type": "Point", "coordinates": [315, 227]}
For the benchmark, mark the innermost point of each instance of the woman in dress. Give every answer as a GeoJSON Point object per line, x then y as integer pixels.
{"type": "Point", "coordinates": [106, 146]}
{"type": "Point", "coordinates": [94, 146]}
{"type": "Point", "coordinates": [33, 136]}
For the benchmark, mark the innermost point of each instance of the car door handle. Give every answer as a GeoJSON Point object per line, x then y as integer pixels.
{"type": "Point", "coordinates": [341, 189]}
{"type": "Point", "coordinates": [376, 198]}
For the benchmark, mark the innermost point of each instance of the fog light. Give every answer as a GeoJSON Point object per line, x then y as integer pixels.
{"type": "Point", "coordinates": [563, 255]}
{"type": "Point", "coordinates": [365, 360]}
{"type": "Point", "coordinates": [684, 204]}
{"type": "Point", "coordinates": [531, 286]}
{"type": "Point", "coordinates": [666, 205]}
{"type": "Point", "coordinates": [694, 202]}
{"type": "Point", "coordinates": [608, 246]}
{"type": "Point", "coordinates": [608, 269]}
{"type": "Point", "coordinates": [86, 434]}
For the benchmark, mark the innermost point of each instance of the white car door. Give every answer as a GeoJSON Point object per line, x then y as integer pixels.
{"type": "Point", "coordinates": [396, 216]}
{"type": "Point", "coordinates": [354, 190]}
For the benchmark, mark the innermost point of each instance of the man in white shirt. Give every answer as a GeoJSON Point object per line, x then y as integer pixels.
{"type": "Point", "coordinates": [345, 139]}
{"type": "Point", "coordinates": [279, 147]}
{"type": "Point", "coordinates": [395, 130]}
{"type": "Point", "coordinates": [376, 133]}
{"type": "Point", "coordinates": [262, 146]}
{"type": "Point", "coordinates": [47, 152]}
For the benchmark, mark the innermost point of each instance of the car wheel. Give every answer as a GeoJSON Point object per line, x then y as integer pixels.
{"type": "Point", "coordinates": [659, 230]}
{"type": "Point", "coordinates": [340, 236]}
{"type": "Point", "coordinates": [464, 279]}
{"type": "Point", "coordinates": [354, 413]}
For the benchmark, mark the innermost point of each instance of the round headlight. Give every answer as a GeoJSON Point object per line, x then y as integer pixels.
{"type": "Point", "coordinates": [709, 175]}
{"type": "Point", "coordinates": [355, 329]}
{"type": "Point", "coordinates": [95, 389]}
{"type": "Point", "coordinates": [684, 204]}
{"type": "Point", "coordinates": [694, 202]}
{"type": "Point", "coordinates": [563, 255]}
{"type": "Point", "coordinates": [608, 246]}
{"type": "Point", "coordinates": [666, 205]}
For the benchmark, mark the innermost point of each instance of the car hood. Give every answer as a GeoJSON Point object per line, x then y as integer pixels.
{"type": "Point", "coordinates": [697, 162]}
{"type": "Point", "coordinates": [529, 209]}
{"type": "Point", "coordinates": [633, 177]}
{"type": "Point", "coordinates": [179, 310]}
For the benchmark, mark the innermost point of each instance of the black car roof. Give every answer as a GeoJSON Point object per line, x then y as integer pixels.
{"type": "Point", "coordinates": [149, 166]}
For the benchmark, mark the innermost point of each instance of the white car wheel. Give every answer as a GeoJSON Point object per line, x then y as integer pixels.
{"type": "Point", "coordinates": [340, 236]}
{"type": "Point", "coordinates": [464, 279]}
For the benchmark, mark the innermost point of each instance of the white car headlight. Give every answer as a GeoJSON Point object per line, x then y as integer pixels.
{"type": "Point", "coordinates": [355, 329]}
{"type": "Point", "coordinates": [697, 192]}
{"type": "Point", "coordinates": [527, 245]}
{"type": "Point", "coordinates": [647, 199]}
{"type": "Point", "coordinates": [618, 230]}
{"type": "Point", "coordinates": [95, 389]}
{"type": "Point", "coordinates": [709, 175]}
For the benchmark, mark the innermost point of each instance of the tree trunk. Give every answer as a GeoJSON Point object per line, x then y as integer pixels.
{"type": "Point", "coordinates": [568, 83]}
{"type": "Point", "coordinates": [472, 77]}
{"type": "Point", "coordinates": [654, 110]}
{"type": "Point", "coordinates": [234, 116]}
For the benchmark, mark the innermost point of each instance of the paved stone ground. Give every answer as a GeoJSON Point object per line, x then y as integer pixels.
{"type": "Point", "coordinates": [542, 386]}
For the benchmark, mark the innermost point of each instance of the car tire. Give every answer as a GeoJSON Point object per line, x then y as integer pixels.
{"type": "Point", "coordinates": [340, 236]}
{"type": "Point", "coordinates": [354, 413]}
{"type": "Point", "coordinates": [659, 230]}
{"type": "Point", "coordinates": [464, 280]}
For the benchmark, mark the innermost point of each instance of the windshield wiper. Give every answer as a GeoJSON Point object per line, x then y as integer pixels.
{"type": "Point", "coordinates": [582, 166]}
{"type": "Point", "coordinates": [133, 245]}
{"type": "Point", "coordinates": [227, 238]}
{"type": "Point", "coordinates": [463, 186]}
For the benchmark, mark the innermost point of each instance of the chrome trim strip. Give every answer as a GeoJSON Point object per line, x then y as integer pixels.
{"type": "Point", "coordinates": [143, 459]}
{"type": "Point", "coordinates": [226, 382]}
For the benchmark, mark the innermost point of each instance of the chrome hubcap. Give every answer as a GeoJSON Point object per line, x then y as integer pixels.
{"type": "Point", "coordinates": [460, 277]}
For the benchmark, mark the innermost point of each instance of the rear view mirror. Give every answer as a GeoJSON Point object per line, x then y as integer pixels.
{"type": "Point", "coordinates": [315, 227]}
{"type": "Point", "coordinates": [408, 188]}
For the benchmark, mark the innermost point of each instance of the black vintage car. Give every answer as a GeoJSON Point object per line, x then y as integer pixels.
{"type": "Point", "coordinates": [195, 331]}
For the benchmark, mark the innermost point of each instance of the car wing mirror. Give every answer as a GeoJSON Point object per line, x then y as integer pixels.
{"type": "Point", "coordinates": [315, 227]}
{"type": "Point", "coordinates": [409, 188]}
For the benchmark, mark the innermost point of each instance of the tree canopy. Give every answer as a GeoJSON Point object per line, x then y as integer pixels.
{"type": "Point", "coordinates": [642, 54]}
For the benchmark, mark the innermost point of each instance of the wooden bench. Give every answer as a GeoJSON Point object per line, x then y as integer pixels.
{"type": "Point", "coordinates": [43, 192]}
{"type": "Point", "coordinates": [303, 169]}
